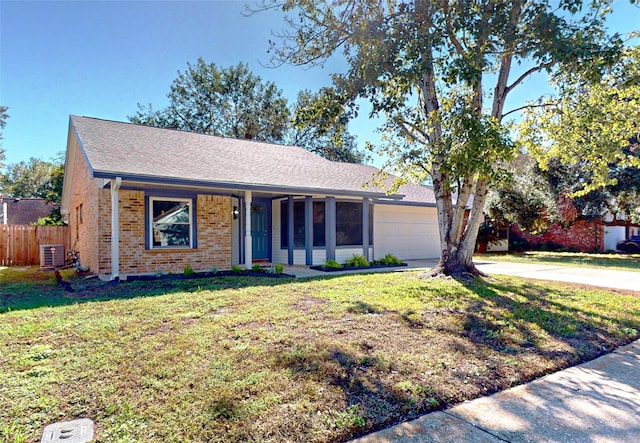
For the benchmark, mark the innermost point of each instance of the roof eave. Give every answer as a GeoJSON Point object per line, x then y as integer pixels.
{"type": "Point", "coordinates": [162, 180]}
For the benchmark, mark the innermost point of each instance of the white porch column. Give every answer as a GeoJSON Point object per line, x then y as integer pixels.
{"type": "Point", "coordinates": [365, 227]}
{"type": "Point", "coordinates": [115, 229]}
{"type": "Point", "coordinates": [248, 242]}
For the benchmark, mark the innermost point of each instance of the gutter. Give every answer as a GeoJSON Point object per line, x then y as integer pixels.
{"type": "Point", "coordinates": [181, 182]}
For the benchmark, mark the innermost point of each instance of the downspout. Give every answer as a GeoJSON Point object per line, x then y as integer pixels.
{"type": "Point", "coordinates": [115, 229]}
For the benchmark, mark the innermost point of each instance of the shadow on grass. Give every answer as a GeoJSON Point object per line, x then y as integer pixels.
{"type": "Point", "coordinates": [31, 293]}
{"type": "Point", "coordinates": [25, 295]}
{"type": "Point", "coordinates": [586, 333]}
{"type": "Point", "coordinates": [514, 333]}
{"type": "Point", "coordinates": [370, 402]}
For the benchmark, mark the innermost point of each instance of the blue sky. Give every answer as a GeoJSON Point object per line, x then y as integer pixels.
{"type": "Point", "coordinates": [101, 58]}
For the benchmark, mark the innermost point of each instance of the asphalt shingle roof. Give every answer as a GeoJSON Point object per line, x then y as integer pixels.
{"type": "Point", "coordinates": [132, 150]}
{"type": "Point", "coordinates": [24, 211]}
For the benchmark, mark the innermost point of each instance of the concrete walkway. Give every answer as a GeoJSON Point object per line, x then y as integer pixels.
{"type": "Point", "coordinates": [598, 401]}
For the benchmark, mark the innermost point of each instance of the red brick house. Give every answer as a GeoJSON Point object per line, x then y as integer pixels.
{"type": "Point", "coordinates": [581, 235]}
{"type": "Point", "coordinates": [142, 200]}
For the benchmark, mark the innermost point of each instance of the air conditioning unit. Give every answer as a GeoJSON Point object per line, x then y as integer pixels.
{"type": "Point", "coordinates": [52, 256]}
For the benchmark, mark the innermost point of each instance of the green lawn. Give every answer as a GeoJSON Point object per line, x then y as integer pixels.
{"type": "Point", "coordinates": [623, 262]}
{"type": "Point", "coordinates": [247, 359]}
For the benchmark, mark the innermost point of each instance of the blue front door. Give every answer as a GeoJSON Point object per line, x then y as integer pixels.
{"type": "Point", "coordinates": [260, 230]}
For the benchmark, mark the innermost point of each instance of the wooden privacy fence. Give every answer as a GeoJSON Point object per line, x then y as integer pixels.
{"type": "Point", "coordinates": [20, 244]}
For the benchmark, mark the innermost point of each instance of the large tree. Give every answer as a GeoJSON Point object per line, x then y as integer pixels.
{"type": "Point", "coordinates": [331, 141]}
{"type": "Point", "coordinates": [32, 179]}
{"type": "Point", "coordinates": [526, 199]}
{"type": "Point", "coordinates": [230, 102]}
{"type": "Point", "coordinates": [585, 139]}
{"type": "Point", "coordinates": [439, 73]}
{"type": "Point", "coordinates": [233, 102]}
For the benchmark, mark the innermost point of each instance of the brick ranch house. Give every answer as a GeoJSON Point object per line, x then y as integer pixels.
{"type": "Point", "coordinates": [144, 200]}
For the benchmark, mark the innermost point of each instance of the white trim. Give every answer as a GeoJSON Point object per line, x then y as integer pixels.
{"type": "Point", "coordinates": [189, 201]}
{"type": "Point", "coordinates": [248, 242]}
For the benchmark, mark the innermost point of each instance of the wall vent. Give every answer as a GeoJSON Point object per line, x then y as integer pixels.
{"type": "Point", "coordinates": [52, 256]}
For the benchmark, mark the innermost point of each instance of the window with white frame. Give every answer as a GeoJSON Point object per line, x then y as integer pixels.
{"type": "Point", "coordinates": [171, 223]}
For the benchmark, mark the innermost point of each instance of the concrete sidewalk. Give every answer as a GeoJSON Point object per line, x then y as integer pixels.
{"type": "Point", "coordinates": [598, 401]}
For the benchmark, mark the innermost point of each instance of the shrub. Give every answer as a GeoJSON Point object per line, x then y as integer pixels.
{"type": "Point", "coordinates": [279, 269]}
{"type": "Point", "coordinates": [256, 268]}
{"type": "Point", "coordinates": [236, 268]}
{"type": "Point", "coordinates": [188, 270]}
{"type": "Point", "coordinates": [357, 261]}
{"type": "Point", "coordinates": [332, 264]}
{"type": "Point", "coordinates": [390, 259]}
{"type": "Point", "coordinates": [518, 243]}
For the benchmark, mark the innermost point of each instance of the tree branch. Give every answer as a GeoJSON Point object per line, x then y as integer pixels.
{"type": "Point", "coordinates": [408, 127]}
{"type": "Point", "coordinates": [452, 35]}
{"type": "Point", "coordinates": [540, 105]}
{"type": "Point", "coordinates": [527, 74]}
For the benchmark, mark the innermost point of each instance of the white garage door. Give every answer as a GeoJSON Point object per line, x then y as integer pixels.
{"type": "Point", "coordinates": [408, 232]}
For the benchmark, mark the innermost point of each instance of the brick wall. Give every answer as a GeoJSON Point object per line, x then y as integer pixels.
{"type": "Point", "coordinates": [103, 241]}
{"type": "Point", "coordinates": [213, 238]}
{"type": "Point", "coordinates": [91, 236]}
{"type": "Point", "coordinates": [83, 212]}
{"type": "Point", "coordinates": [584, 236]}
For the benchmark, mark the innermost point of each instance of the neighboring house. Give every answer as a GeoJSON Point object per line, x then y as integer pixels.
{"type": "Point", "coordinates": [581, 235]}
{"type": "Point", "coordinates": [617, 229]}
{"type": "Point", "coordinates": [23, 211]}
{"type": "Point", "coordinates": [615, 232]}
{"type": "Point", "coordinates": [142, 200]}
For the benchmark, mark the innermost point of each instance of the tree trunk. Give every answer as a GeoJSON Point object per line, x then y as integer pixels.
{"type": "Point", "coordinates": [456, 258]}
{"type": "Point", "coordinates": [457, 264]}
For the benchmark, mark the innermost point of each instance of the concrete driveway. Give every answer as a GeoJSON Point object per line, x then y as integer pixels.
{"type": "Point", "coordinates": [605, 278]}
{"type": "Point", "coordinates": [627, 280]}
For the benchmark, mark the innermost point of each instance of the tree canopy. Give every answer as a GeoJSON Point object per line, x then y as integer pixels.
{"type": "Point", "coordinates": [332, 142]}
{"type": "Point", "coordinates": [592, 127]}
{"type": "Point", "coordinates": [230, 102]}
{"type": "Point", "coordinates": [233, 102]}
{"type": "Point", "coordinates": [36, 179]}
{"type": "Point", "coordinates": [584, 153]}
{"type": "Point", "coordinates": [439, 74]}
{"type": "Point", "coordinates": [30, 179]}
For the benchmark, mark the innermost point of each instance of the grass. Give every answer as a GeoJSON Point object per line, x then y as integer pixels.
{"type": "Point", "coordinates": [624, 262]}
{"type": "Point", "coordinates": [249, 359]}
